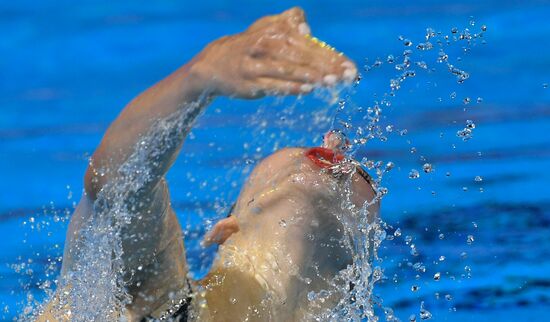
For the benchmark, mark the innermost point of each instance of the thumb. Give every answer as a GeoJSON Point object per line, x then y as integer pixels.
{"type": "Point", "coordinates": [297, 20]}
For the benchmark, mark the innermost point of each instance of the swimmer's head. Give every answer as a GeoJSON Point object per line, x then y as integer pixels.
{"type": "Point", "coordinates": [335, 140]}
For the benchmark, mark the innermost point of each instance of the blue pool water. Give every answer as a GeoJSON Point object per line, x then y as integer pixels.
{"type": "Point", "coordinates": [68, 68]}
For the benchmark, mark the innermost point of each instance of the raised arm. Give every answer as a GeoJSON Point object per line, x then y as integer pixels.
{"type": "Point", "coordinates": [275, 55]}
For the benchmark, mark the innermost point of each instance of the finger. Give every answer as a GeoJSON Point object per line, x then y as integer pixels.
{"type": "Point", "coordinates": [285, 71]}
{"type": "Point", "coordinates": [286, 50]}
{"type": "Point", "coordinates": [327, 59]}
{"type": "Point", "coordinates": [325, 64]}
{"type": "Point", "coordinates": [272, 86]}
{"type": "Point", "coordinates": [295, 17]}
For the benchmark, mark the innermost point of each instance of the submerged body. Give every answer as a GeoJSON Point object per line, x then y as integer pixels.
{"type": "Point", "coordinates": [288, 239]}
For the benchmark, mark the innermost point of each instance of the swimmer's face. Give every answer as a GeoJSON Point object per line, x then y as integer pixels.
{"type": "Point", "coordinates": [335, 140]}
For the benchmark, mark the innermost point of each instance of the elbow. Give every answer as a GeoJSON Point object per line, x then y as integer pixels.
{"type": "Point", "coordinates": [92, 184]}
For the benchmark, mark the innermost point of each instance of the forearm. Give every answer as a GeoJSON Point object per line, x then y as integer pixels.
{"type": "Point", "coordinates": [182, 95]}
{"type": "Point", "coordinates": [274, 56]}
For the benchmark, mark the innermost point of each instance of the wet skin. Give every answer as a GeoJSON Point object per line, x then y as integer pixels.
{"type": "Point", "coordinates": [288, 240]}
{"type": "Point", "coordinates": [275, 55]}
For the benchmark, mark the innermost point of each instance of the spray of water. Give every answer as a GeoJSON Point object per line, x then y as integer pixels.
{"type": "Point", "coordinates": [95, 287]}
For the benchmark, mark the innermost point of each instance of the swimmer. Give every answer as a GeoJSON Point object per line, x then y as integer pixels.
{"type": "Point", "coordinates": [282, 239]}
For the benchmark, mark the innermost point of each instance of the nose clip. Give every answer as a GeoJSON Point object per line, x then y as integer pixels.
{"type": "Point", "coordinates": [336, 140]}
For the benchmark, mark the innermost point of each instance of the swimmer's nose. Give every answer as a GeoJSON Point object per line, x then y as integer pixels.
{"type": "Point", "coordinates": [335, 140]}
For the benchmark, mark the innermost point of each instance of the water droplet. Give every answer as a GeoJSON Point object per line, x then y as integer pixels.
{"type": "Point", "coordinates": [470, 239]}
{"type": "Point", "coordinates": [282, 223]}
{"type": "Point", "coordinates": [390, 59]}
{"type": "Point", "coordinates": [414, 174]}
{"type": "Point", "coordinates": [441, 258]}
{"type": "Point", "coordinates": [442, 57]}
{"type": "Point", "coordinates": [483, 28]}
{"type": "Point", "coordinates": [437, 276]}
{"type": "Point", "coordinates": [415, 288]}
{"type": "Point", "coordinates": [395, 84]}
{"type": "Point", "coordinates": [424, 46]}
{"type": "Point", "coordinates": [479, 100]}
{"type": "Point", "coordinates": [478, 179]}
{"type": "Point", "coordinates": [427, 167]}
{"type": "Point", "coordinates": [448, 297]}
{"type": "Point", "coordinates": [382, 191]}
{"type": "Point", "coordinates": [430, 33]}
{"type": "Point", "coordinates": [414, 251]}
{"type": "Point", "coordinates": [454, 30]}
{"type": "Point", "coordinates": [407, 42]}
{"type": "Point", "coordinates": [397, 232]}
{"type": "Point", "coordinates": [468, 271]}
{"type": "Point", "coordinates": [466, 133]}
{"type": "Point", "coordinates": [419, 267]}
{"type": "Point", "coordinates": [453, 95]}
{"type": "Point", "coordinates": [424, 314]}
{"type": "Point", "coordinates": [466, 101]}
{"type": "Point", "coordinates": [441, 236]}
{"type": "Point", "coordinates": [422, 64]}
{"type": "Point", "coordinates": [412, 318]}
{"type": "Point", "coordinates": [233, 300]}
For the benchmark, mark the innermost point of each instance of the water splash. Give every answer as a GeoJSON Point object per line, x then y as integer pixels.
{"type": "Point", "coordinates": [94, 286]}
{"type": "Point", "coordinates": [359, 302]}
{"type": "Point", "coordinates": [101, 248]}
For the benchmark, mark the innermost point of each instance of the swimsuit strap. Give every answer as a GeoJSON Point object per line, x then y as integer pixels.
{"type": "Point", "coordinates": [365, 175]}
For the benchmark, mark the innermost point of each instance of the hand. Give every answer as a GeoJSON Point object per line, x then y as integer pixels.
{"type": "Point", "coordinates": [221, 231]}
{"type": "Point", "coordinates": [276, 55]}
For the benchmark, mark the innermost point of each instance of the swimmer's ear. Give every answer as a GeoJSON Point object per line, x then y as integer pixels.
{"type": "Point", "coordinates": [221, 231]}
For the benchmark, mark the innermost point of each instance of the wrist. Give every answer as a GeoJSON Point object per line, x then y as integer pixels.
{"type": "Point", "coordinates": [201, 78]}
